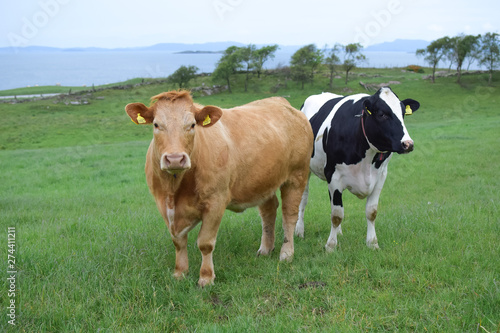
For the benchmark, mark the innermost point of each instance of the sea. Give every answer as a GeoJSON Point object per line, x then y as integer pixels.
{"type": "Point", "coordinates": [87, 68]}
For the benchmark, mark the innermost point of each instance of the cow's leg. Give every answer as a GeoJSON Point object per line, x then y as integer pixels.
{"type": "Point", "coordinates": [336, 217]}
{"type": "Point", "coordinates": [291, 196]}
{"type": "Point", "coordinates": [371, 214]}
{"type": "Point", "coordinates": [179, 238]}
{"type": "Point", "coordinates": [206, 243]}
{"type": "Point", "coordinates": [268, 215]}
{"type": "Point", "coordinates": [181, 255]}
{"type": "Point", "coordinates": [299, 228]}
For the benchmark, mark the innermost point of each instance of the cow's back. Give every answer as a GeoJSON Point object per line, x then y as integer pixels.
{"type": "Point", "coordinates": [267, 140]}
{"type": "Point", "coordinates": [333, 120]}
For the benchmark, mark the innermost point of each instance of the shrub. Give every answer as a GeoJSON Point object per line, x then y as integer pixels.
{"type": "Point", "coordinates": [415, 68]}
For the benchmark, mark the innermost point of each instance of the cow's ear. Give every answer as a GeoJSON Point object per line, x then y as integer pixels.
{"type": "Point", "coordinates": [367, 105]}
{"type": "Point", "coordinates": [410, 106]}
{"type": "Point", "coordinates": [139, 113]}
{"type": "Point", "coordinates": [208, 115]}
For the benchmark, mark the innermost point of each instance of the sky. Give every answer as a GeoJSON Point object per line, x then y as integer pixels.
{"type": "Point", "coordinates": [126, 23]}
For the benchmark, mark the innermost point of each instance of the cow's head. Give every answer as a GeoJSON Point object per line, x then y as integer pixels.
{"type": "Point", "coordinates": [175, 120]}
{"type": "Point", "coordinates": [384, 125]}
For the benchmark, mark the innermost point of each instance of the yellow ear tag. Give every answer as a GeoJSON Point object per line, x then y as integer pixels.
{"type": "Point", "coordinates": [207, 120]}
{"type": "Point", "coordinates": [408, 111]}
{"type": "Point", "coordinates": [368, 111]}
{"type": "Point", "coordinates": [140, 119]}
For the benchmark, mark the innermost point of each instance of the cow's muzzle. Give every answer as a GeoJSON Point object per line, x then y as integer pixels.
{"type": "Point", "coordinates": [175, 163]}
{"type": "Point", "coordinates": [407, 146]}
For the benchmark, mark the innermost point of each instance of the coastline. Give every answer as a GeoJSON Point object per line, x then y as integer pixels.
{"type": "Point", "coordinates": [75, 69]}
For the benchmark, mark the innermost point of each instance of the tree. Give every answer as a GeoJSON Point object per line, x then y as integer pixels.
{"type": "Point", "coordinates": [246, 56]}
{"type": "Point", "coordinates": [227, 65]}
{"type": "Point", "coordinates": [474, 54]}
{"type": "Point", "coordinates": [434, 52]}
{"type": "Point", "coordinates": [283, 73]}
{"type": "Point", "coordinates": [490, 52]}
{"type": "Point", "coordinates": [183, 75]}
{"type": "Point", "coordinates": [332, 61]}
{"type": "Point", "coordinates": [260, 56]}
{"type": "Point", "coordinates": [304, 62]}
{"type": "Point", "coordinates": [448, 53]}
{"type": "Point", "coordinates": [460, 47]}
{"type": "Point", "coordinates": [352, 56]}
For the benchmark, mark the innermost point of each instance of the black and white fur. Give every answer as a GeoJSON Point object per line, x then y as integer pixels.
{"type": "Point", "coordinates": [354, 138]}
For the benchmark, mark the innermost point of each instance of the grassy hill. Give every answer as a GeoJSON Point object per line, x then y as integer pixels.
{"type": "Point", "coordinates": [93, 254]}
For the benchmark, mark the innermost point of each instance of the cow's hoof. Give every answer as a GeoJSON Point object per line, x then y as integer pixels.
{"type": "Point", "coordinates": [331, 247]}
{"type": "Point", "coordinates": [299, 232]}
{"type": "Point", "coordinates": [203, 282]}
{"type": "Point", "coordinates": [372, 243]}
{"type": "Point", "coordinates": [180, 275]}
{"type": "Point", "coordinates": [284, 255]}
{"type": "Point", "coordinates": [264, 252]}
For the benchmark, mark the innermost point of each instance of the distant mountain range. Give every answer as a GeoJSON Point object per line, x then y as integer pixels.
{"type": "Point", "coordinates": [399, 45]}
{"type": "Point", "coordinates": [169, 47]}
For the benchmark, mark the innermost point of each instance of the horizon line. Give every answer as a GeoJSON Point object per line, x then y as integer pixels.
{"type": "Point", "coordinates": [180, 44]}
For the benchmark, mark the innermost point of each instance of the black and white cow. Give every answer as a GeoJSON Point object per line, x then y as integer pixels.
{"type": "Point", "coordinates": [354, 138]}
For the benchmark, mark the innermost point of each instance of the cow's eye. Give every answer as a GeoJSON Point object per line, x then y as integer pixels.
{"type": "Point", "coordinates": [193, 125]}
{"type": "Point", "coordinates": [156, 125]}
{"type": "Point", "coordinates": [383, 116]}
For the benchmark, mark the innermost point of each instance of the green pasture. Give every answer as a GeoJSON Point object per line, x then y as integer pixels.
{"type": "Point", "coordinates": [40, 90]}
{"type": "Point", "coordinates": [92, 253]}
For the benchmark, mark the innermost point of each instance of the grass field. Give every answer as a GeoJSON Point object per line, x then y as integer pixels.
{"type": "Point", "coordinates": [92, 253]}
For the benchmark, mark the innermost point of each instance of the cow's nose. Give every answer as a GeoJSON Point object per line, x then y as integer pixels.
{"type": "Point", "coordinates": [175, 162]}
{"type": "Point", "coordinates": [407, 146]}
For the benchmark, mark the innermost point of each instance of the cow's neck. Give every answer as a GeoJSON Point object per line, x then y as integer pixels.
{"type": "Point", "coordinates": [375, 157]}
{"type": "Point", "coordinates": [363, 115]}
{"type": "Point", "coordinates": [372, 155]}
{"type": "Point", "coordinates": [172, 183]}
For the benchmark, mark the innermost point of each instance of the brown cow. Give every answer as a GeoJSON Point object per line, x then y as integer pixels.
{"type": "Point", "coordinates": [204, 159]}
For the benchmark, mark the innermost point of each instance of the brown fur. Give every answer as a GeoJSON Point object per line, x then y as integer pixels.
{"type": "Point", "coordinates": [172, 96]}
{"type": "Point", "coordinates": [238, 160]}
{"type": "Point", "coordinates": [336, 220]}
{"type": "Point", "coordinates": [373, 215]}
